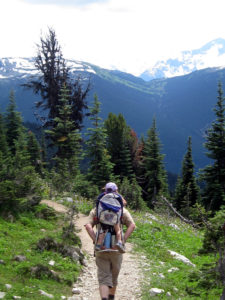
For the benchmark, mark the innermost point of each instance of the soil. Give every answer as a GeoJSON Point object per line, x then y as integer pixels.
{"type": "Point", "coordinates": [130, 275]}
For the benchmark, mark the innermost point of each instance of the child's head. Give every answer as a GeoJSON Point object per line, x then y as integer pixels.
{"type": "Point", "coordinates": [111, 187]}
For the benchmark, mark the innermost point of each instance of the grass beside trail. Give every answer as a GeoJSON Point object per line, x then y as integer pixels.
{"type": "Point", "coordinates": [20, 237]}
{"type": "Point", "coordinates": [153, 239]}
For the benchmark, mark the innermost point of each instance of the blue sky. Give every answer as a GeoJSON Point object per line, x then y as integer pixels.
{"type": "Point", "coordinates": [129, 35]}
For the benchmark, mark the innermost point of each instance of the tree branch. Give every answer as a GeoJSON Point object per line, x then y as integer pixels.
{"type": "Point", "coordinates": [178, 214]}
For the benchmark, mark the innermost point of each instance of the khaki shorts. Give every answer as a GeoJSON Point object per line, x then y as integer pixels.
{"type": "Point", "coordinates": [108, 267]}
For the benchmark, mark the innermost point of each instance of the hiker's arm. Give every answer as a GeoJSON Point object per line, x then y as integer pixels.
{"type": "Point", "coordinates": [90, 231]}
{"type": "Point", "coordinates": [129, 230]}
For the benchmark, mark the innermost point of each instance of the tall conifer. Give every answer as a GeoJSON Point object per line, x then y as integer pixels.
{"type": "Point", "coordinates": [34, 151]}
{"type": "Point", "coordinates": [13, 122]}
{"type": "Point", "coordinates": [66, 139]}
{"type": "Point", "coordinates": [214, 174]}
{"type": "Point", "coordinates": [155, 183]}
{"type": "Point", "coordinates": [119, 135]}
{"type": "Point", "coordinates": [101, 169]}
{"type": "Point", "coordinates": [187, 191]}
{"type": "Point", "coordinates": [3, 142]}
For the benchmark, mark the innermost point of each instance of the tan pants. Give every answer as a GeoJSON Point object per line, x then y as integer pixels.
{"type": "Point", "coordinates": [108, 267]}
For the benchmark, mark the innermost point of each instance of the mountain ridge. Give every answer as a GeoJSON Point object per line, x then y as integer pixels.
{"type": "Point", "coordinates": [209, 55]}
{"type": "Point", "coordinates": [182, 105]}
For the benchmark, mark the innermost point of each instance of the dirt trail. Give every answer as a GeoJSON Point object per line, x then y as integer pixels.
{"type": "Point", "coordinates": [130, 275]}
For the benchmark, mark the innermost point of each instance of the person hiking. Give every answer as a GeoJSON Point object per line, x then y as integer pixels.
{"type": "Point", "coordinates": [109, 263]}
{"type": "Point", "coordinates": [109, 212]}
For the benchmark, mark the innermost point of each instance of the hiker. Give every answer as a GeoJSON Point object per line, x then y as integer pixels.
{"type": "Point", "coordinates": [109, 262]}
{"type": "Point", "coordinates": [113, 198]}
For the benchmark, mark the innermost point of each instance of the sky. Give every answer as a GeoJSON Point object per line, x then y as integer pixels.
{"type": "Point", "coordinates": [129, 35]}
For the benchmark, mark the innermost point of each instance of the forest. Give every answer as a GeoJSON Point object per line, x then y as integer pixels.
{"type": "Point", "coordinates": [59, 157]}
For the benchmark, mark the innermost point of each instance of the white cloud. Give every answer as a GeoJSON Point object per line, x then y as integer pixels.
{"type": "Point", "coordinates": [128, 34]}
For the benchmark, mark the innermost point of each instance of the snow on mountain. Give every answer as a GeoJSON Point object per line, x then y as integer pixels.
{"type": "Point", "coordinates": [210, 55]}
{"type": "Point", "coordinates": [23, 67]}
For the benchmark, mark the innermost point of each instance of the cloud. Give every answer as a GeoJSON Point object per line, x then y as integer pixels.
{"type": "Point", "coordinates": [127, 34]}
{"type": "Point", "coordinates": [65, 2]}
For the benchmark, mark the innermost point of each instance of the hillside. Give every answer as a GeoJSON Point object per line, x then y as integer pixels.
{"type": "Point", "coordinates": [182, 105]}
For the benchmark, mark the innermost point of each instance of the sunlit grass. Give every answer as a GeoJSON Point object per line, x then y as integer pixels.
{"type": "Point", "coordinates": [153, 239]}
{"type": "Point", "coordinates": [21, 238]}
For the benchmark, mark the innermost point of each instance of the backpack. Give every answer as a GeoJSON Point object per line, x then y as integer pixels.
{"type": "Point", "coordinates": [109, 209]}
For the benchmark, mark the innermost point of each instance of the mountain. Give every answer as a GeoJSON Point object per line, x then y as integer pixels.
{"type": "Point", "coordinates": [183, 106]}
{"type": "Point", "coordinates": [210, 55]}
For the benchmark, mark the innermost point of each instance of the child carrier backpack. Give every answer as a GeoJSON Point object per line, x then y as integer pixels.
{"type": "Point", "coordinates": [109, 209]}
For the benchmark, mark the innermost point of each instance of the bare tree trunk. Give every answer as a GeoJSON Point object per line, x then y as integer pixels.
{"type": "Point", "coordinates": [177, 213]}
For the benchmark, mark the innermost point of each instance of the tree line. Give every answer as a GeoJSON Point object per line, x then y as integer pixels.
{"type": "Point", "coordinates": [109, 150]}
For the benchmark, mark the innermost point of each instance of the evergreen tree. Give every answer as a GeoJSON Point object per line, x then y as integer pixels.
{"type": "Point", "coordinates": [21, 158]}
{"type": "Point", "coordinates": [13, 122]}
{"type": "Point", "coordinates": [154, 173]}
{"type": "Point", "coordinates": [132, 192]}
{"type": "Point", "coordinates": [34, 151]}
{"type": "Point", "coordinates": [187, 191]}
{"type": "Point", "coordinates": [118, 145]}
{"type": "Point", "coordinates": [136, 148]}
{"type": "Point", "coordinates": [101, 169]}
{"type": "Point", "coordinates": [214, 174]}
{"type": "Point", "coordinates": [20, 186]}
{"type": "Point", "coordinates": [54, 73]}
{"type": "Point", "coordinates": [65, 138]}
{"type": "Point", "coordinates": [3, 142]}
{"type": "Point", "coordinates": [43, 150]}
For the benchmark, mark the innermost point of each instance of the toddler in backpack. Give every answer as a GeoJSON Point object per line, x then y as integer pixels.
{"type": "Point", "coordinates": [109, 214]}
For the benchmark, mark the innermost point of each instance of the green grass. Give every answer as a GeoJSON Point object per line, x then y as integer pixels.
{"type": "Point", "coordinates": [154, 240]}
{"type": "Point", "coordinates": [20, 238]}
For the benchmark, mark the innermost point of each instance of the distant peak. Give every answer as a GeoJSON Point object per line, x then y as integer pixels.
{"type": "Point", "coordinates": [209, 55]}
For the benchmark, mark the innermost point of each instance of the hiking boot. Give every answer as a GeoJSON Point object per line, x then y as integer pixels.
{"type": "Point", "coordinates": [119, 246]}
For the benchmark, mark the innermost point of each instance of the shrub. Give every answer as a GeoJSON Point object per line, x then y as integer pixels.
{"type": "Point", "coordinates": [84, 187]}
{"type": "Point", "coordinates": [132, 192]}
{"type": "Point", "coordinates": [20, 192]}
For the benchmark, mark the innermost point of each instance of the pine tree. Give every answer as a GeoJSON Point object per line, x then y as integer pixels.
{"type": "Point", "coordinates": [13, 122]}
{"type": "Point", "coordinates": [65, 138]}
{"type": "Point", "coordinates": [136, 148]}
{"type": "Point", "coordinates": [101, 169]}
{"type": "Point", "coordinates": [3, 142]}
{"type": "Point", "coordinates": [54, 73]}
{"type": "Point", "coordinates": [34, 151]}
{"type": "Point", "coordinates": [154, 173]}
{"type": "Point", "coordinates": [19, 183]}
{"type": "Point", "coordinates": [118, 140]}
{"type": "Point", "coordinates": [187, 191]}
{"type": "Point", "coordinates": [43, 150]}
{"type": "Point", "coordinates": [214, 174]}
{"type": "Point", "coordinates": [132, 192]}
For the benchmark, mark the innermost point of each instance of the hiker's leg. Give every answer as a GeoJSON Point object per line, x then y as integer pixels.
{"type": "Point", "coordinates": [101, 238]}
{"type": "Point", "coordinates": [104, 291]}
{"type": "Point", "coordinates": [112, 292]}
{"type": "Point", "coordinates": [118, 232]}
{"type": "Point", "coordinates": [116, 262]}
{"type": "Point", "coordinates": [104, 272]}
